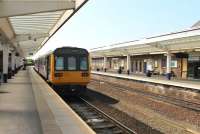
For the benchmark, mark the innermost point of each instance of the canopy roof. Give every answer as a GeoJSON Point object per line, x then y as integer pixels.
{"type": "Point", "coordinates": [32, 22]}
{"type": "Point", "coordinates": [182, 41]}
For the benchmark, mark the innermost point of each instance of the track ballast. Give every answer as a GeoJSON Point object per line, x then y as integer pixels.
{"type": "Point", "coordinates": [99, 121]}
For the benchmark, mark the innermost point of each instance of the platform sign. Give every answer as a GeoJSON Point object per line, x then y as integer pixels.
{"type": "Point", "coordinates": [69, 50]}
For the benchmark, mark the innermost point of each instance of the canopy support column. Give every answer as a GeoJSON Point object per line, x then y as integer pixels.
{"type": "Point", "coordinates": [168, 67]}
{"type": "Point", "coordinates": [5, 63]}
{"type": "Point", "coordinates": [105, 63]}
{"type": "Point", "coordinates": [13, 62]}
{"type": "Point", "coordinates": [128, 63]}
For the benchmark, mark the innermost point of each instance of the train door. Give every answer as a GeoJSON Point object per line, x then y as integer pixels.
{"type": "Point", "coordinates": [1, 65]}
{"type": "Point", "coordinates": [48, 67]}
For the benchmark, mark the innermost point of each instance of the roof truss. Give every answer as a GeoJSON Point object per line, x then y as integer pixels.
{"type": "Point", "coordinates": [10, 8]}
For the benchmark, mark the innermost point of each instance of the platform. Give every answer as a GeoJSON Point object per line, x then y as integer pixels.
{"type": "Point", "coordinates": [29, 106]}
{"type": "Point", "coordinates": [162, 104]}
{"type": "Point", "coordinates": [177, 83]}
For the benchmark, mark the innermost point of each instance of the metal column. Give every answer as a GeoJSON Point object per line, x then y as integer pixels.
{"type": "Point", "coordinates": [128, 63]}
{"type": "Point", "coordinates": [16, 63]}
{"type": "Point", "coordinates": [5, 63]}
{"type": "Point", "coordinates": [105, 63]}
{"type": "Point", "coordinates": [13, 62]}
{"type": "Point", "coordinates": [168, 67]}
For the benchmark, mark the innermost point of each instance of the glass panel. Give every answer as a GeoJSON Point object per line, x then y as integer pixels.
{"type": "Point", "coordinates": [71, 62]}
{"type": "Point", "coordinates": [59, 63]}
{"type": "Point", "coordinates": [164, 62]}
{"type": "Point", "coordinates": [140, 66]}
{"type": "Point", "coordinates": [174, 63]}
{"type": "Point", "coordinates": [155, 63]}
{"type": "Point", "coordinates": [83, 63]}
{"type": "Point", "coordinates": [136, 66]}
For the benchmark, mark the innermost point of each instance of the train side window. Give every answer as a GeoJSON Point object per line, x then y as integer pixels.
{"type": "Point", "coordinates": [71, 62]}
{"type": "Point", "coordinates": [83, 63]}
{"type": "Point", "coordinates": [59, 63]}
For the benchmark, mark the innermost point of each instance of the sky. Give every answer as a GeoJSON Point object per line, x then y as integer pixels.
{"type": "Point", "coordinates": [104, 22]}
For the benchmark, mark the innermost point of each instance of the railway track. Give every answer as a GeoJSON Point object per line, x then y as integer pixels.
{"type": "Point", "coordinates": [99, 121]}
{"type": "Point", "coordinates": [195, 106]}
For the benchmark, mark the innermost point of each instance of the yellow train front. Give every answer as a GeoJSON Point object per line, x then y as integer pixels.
{"type": "Point", "coordinates": [67, 69]}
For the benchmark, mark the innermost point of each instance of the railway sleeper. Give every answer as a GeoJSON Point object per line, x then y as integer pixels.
{"type": "Point", "coordinates": [102, 125]}
{"type": "Point", "coordinates": [94, 117]}
{"type": "Point", "coordinates": [106, 132]}
{"type": "Point", "coordinates": [88, 114]}
{"type": "Point", "coordinates": [95, 120]}
{"type": "Point", "coordinates": [84, 110]}
{"type": "Point", "coordinates": [113, 130]}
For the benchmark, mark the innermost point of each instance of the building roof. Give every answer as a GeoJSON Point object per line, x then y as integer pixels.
{"type": "Point", "coordinates": [175, 41]}
{"type": "Point", "coordinates": [196, 25]}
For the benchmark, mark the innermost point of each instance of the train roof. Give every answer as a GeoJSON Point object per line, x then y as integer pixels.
{"type": "Point", "coordinates": [70, 50]}
{"type": "Point", "coordinates": [56, 50]}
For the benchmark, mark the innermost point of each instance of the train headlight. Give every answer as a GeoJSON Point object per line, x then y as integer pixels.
{"type": "Point", "coordinates": [85, 74]}
{"type": "Point", "coordinates": [58, 74]}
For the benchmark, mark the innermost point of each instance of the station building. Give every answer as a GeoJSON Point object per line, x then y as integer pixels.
{"type": "Point", "coordinates": [176, 53]}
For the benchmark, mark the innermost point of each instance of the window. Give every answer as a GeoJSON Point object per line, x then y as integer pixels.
{"type": "Point", "coordinates": [174, 63]}
{"type": "Point", "coordinates": [71, 62]}
{"type": "Point", "coordinates": [115, 65]}
{"type": "Point", "coordinates": [155, 63]}
{"type": "Point", "coordinates": [163, 62]}
{"type": "Point", "coordinates": [136, 65]}
{"type": "Point", "coordinates": [59, 63]}
{"type": "Point", "coordinates": [140, 66]}
{"type": "Point", "coordinates": [83, 63]}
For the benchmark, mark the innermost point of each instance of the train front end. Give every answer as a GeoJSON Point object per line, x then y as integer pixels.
{"type": "Point", "coordinates": [70, 69]}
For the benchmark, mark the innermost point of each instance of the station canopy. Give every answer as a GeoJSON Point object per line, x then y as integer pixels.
{"type": "Point", "coordinates": [28, 24]}
{"type": "Point", "coordinates": [182, 41]}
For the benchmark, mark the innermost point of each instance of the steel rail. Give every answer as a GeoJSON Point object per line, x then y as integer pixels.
{"type": "Point", "coordinates": [109, 117]}
{"type": "Point", "coordinates": [171, 100]}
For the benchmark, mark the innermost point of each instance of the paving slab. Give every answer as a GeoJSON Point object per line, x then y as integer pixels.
{"type": "Point", "coordinates": [54, 111]}
{"type": "Point", "coordinates": [18, 112]}
{"type": "Point", "coordinates": [28, 105]}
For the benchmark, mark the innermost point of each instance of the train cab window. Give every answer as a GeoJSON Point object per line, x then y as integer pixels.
{"type": "Point", "coordinates": [83, 63]}
{"type": "Point", "coordinates": [59, 63]}
{"type": "Point", "coordinates": [71, 62]}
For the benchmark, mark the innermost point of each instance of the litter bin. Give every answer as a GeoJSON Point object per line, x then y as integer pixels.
{"type": "Point", "coordinates": [119, 70]}
{"type": "Point", "coordinates": [148, 74]}
{"type": "Point", "coordinates": [24, 67]}
{"type": "Point", "coordinates": [128, 72]}
{"type": "Point", "coordinates": [9, 72]}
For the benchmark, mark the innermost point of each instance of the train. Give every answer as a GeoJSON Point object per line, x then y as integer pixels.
{"type": "Point", "coordinates": [66, 69]}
